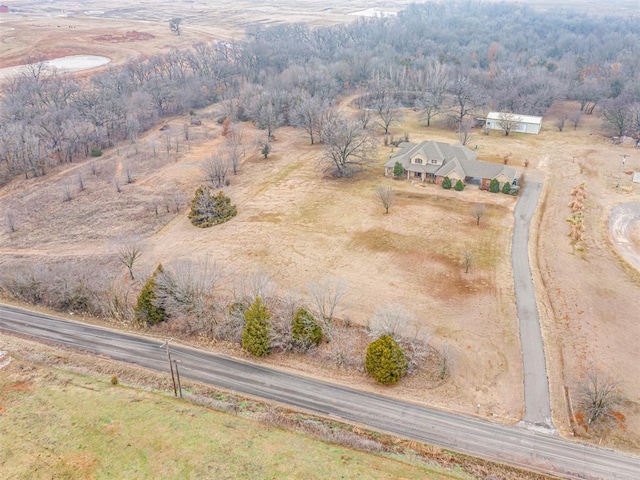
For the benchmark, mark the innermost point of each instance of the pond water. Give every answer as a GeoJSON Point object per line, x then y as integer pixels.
{"type": "Point", "coordinates": [70, 63]}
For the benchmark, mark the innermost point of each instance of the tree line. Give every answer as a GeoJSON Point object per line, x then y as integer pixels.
{"type": "Point", "coordinates": [450, 60]}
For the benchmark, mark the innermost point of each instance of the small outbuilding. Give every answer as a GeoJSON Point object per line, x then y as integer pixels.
{"type": "Point", "coordinates": [514, 122]}
{"type": "Point", "coordinates": [4, 9]}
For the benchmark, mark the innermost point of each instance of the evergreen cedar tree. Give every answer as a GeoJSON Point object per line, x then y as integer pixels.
{"type": "Point", "coordinates": [398, 169]}
{"type": "Point", "coordinates": [446, 183]}
{"type": "Point", "coordinates": [494, 186]}
{"type": "Point", "coordinates": [255, 335]}
{"type": "Point", "coordinates": [305, 330]}
{"type": "Point", "coordinates": [146, 309]}
{"type": "Point", "coordinates": [506, 188]}
{"type": "Point", "coordinates": [385, 360]}
{"type": "Point", "coordinates": [208, 210]}
{"type": "Point", "coordinates": [459, 186]}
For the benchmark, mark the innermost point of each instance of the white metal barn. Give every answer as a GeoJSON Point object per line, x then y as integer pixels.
{"type": "Point", "coordinates": [526, 123]}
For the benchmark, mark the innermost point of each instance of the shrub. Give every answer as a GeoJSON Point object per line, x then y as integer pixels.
{"type": "Point", "coordinates": [266, 150]}
{"type": "Point", "coordinates": [385, 360]}
{"type": "Point", "coordinates": [306, 331]}
{"type": "Point", "coordinates": [494, 186]}
{"type": "Point", "coordinates": [114, 380]}
{"type": "Point", "coordinates": [147, 309]}
{"type": "Point", "coordinates": [96, 152]}
{"type": "Point", "coordinates": [446, 183]}
{"type": "Point", "coordinates": [208, 210]}
{"type": "Point", "coordinates": [255, 335]}
{"type": "Point", "coordinates": [459, 186]}
{"type": "Point", "coordinates": [398, 170]}
{"type": "Point", "coordinates": [506, 188]}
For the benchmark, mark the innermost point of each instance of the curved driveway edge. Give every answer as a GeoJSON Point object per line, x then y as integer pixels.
{"type": "Point", "coordinates": [622, 219]}
{"type": "Point", "coordinates": [537, 411]}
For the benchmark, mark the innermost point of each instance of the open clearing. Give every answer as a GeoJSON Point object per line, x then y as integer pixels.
{"type": "Point", "coordinates": [299, 227]}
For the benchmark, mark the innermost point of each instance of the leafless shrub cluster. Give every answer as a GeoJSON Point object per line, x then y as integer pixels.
{"type": "Point", "coordinates": [346, 349]}
{"type": "Point", "coordinates": [186, 288]}
{"type": "Point", "coordinates": [326, 298]}
{"type": "Point", "coordinates": [196, 305]}
{"type": "Point", "coordinates": [576, 220]}
{"type": "Point", "coordinates": [599, 396]}
{"type": "Point", "coordinates": [58, 286]}
{"type": "Point", "coordinates": [399, 323]}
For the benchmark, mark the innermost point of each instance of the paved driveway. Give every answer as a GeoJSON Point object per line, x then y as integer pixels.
{"type": "Point", "coordinates": [537, 412]}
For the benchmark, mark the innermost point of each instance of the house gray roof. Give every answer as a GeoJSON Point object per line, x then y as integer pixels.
{"type": "Point", "coordinates": [449, 158]}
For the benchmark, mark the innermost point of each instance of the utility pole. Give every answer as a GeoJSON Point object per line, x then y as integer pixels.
{"type": "Point", "coordinates": [175, 362]}
{"type": "Point", "coordinates": [173, 378]}
{"type": "Point", "coordinates": [624, 160]}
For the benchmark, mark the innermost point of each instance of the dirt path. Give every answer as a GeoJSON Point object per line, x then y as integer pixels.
{"type": "Point", "coordinates": [623, 219]}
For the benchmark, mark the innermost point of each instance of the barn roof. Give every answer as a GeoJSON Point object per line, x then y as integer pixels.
{"type": "Point", "coordinates": [520, 118]}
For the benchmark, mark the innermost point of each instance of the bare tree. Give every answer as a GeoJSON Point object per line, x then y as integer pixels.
{"type": "Point", "coordinates": [388, 111]}
{"type": "Point", "coordinates": [478, 210]}
{"type": "Point", "coordinates": [267, 113]}
{"type": "Point", "coordinates": [385, 196]}
{"type": "Point", "coordinates": [617, 115]}
{"type": "Point", "coordinates": [128, 173]}
{"type": "Point", "coordinates": [347, 146]}
{"type": "Point", "coordinates": [467, 259]}
{"type": "Point", "coordinates": [185, 289]}
{"type": "Point", "coordinates": [258, 283]}
{"type": "Point", "coordinates": [80, 180]}
{"type": "Point", "coordinates": [393, 320]}
{"type": "Point", "coordinates": [67, 194]}
{"type": "Point", "coordinates": [465, 131]}
{"type": "Point", "coordinates": [575, 117]}
{"type": "Point", "coordinates": [10, 221]}
{"type": "Point", "coordinates": [128, 253]}
{"type": "Point", "coordinates": [174, 25]}
{"type": "Point", "coordinates": [307, 114]}
{"type": "Point", "coordinates": [508, 121]}
{"type": "Point", "coordinates": [215, 170]}
{"type": "Point", "coordinates": [433, 82]}
{"type": "Point", "coordinates": [561, 120]}
{"type": "Point", "coordinates": [447, 362]}
{"type": "Point", "coordinates": [598, 397]}
{"type": "Point", "coordinates": [465, 96]}
{"type": "Point", "coordinates": [234, 147]}
{"type": "Point", "coordinates": [326, 296]}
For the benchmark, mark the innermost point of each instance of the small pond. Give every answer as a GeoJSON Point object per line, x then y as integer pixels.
{"type": "Point", "coordinates": [70, 63]}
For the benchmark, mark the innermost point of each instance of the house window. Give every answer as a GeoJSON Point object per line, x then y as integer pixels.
{"type": "Point", "coordinates": [417, 160]}
{"type": "Point", "coordinates": [434, 161]}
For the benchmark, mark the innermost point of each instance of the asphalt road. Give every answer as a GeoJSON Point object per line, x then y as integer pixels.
{"type": "Point", "coordinates": [623, 219]}
{"type": "Point", "coordinates": [537, 405]}
{"type": "Point", "coordinates": [518, 446]}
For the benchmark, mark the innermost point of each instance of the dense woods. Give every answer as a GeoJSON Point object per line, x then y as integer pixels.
{"type": "Point", "coordinates": [450, 60]}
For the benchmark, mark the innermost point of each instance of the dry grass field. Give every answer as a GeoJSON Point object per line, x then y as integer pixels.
{"type": "Point", "coordinates": [298, 226]}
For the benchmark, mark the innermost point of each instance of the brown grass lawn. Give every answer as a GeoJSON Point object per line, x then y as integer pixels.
{"type": "Point", "coordinates": [299, 226]}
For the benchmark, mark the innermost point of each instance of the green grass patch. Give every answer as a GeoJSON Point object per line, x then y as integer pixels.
{"type": "Point", "coordinates": [62, 425]}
